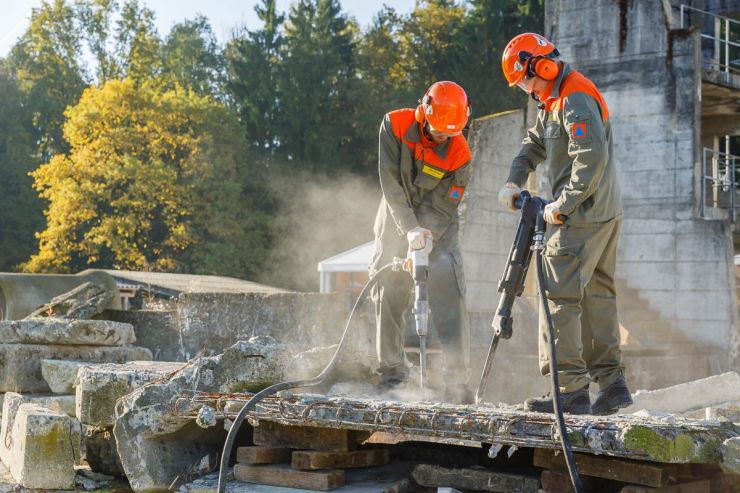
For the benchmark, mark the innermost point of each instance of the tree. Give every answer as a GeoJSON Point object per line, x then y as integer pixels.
{"type": "Point", "coordinates": [47, 64]}
{"type": "Point", "coordinates": [192, 58]}
{"type": "Point", "coordinates": [253, 61]}
{"type": "Point", "coordinates": [137, 43]}
{"type": "Point", "coordinates": [153, 181]}
{"type": "Point", "coordinates": [318, 86]}
{"type": "Point", "coordinates": [20, 208]}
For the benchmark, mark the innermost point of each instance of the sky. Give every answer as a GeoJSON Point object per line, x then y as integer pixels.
{"type": "Point", "coordinates": [223, 14]}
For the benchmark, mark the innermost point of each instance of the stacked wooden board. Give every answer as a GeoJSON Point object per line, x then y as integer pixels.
{"type": "Point", "coordinates": [303, 457]}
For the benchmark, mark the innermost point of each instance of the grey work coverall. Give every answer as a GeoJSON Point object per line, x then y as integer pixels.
{"type": "Point", "coordinates": [414, 198]}
{"type": "Point", "coordinates": [575, 137]}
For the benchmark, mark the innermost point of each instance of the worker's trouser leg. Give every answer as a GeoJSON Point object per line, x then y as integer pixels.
{"type": "Point", "coordinates": [599, 321]}
{"type": "Point", "coordinates": [573, 257]}
{"type": "Point", "coordinates": [449, 315]}
{"type": "Point", "coordinates": [392, 296]}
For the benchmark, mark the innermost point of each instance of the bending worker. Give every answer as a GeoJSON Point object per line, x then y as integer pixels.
{"type": "Point", "coordinates": [574, 135]}
{"type": "Point", "coordinates": [423, 163]}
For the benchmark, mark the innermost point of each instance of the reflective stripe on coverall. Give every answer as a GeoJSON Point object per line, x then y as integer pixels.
{"type": "Point", "coordinates": [574, 134]}
{"type": "Point", "coordinates": [422, 185]}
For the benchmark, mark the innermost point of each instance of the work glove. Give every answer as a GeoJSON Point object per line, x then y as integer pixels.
{"type": "Point", "coordinates": [417, 238]}
{"type": "Point", "coordinates": [552, 214]}
{"type": "Point", "coordinates": [508, 194]}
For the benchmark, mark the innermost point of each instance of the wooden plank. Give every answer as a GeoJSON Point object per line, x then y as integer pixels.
{"type": "Point", "coordinates": [694, 487]}
{"type": "Point", "coordinates": [263, 455]}
{"type": "Point", "coordinates": [283, 475]}
{"type": "Point", "coordinates": [478, 479]}
{"type": "Point", "coordinates": [270, 434]}
{"type": "Point", "coordinates": [559, 482]}
{"type": "Point", "coordinates": [606, 467]}
{"type": "Point", "coordinates": [310, 459]}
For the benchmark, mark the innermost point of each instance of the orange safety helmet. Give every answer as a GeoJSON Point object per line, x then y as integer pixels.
{"type": "Point", "coordinates": [445, 106]}
{"type": "Point", "coordinates": [527, 55]}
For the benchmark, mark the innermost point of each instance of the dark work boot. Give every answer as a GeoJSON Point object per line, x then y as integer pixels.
{"type": "Point", "coordinates": [576, 402]}
{"type": "Point", "coordinates": [613, 398]}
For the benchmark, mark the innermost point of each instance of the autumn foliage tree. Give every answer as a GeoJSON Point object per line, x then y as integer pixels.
{"type": "Point", "coordinates": [153, 181]}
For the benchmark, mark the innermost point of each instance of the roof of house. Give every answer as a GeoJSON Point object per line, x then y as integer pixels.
{"type": "Point", "coordinates": [353, 260]}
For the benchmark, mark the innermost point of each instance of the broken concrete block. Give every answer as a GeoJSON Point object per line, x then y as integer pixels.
{"type": "Point", "coordinates": [100, 386]}
{"type": "Point", "coordinates": [100, 450]}
{"type": "Point", "coordinates": [66, 332]}
{"type": "Point", "coordinates": [730, 452]}
{"type": "Point", "coordinates": [21, 371]}
{"type": "Point", "coordinates": [61, 375]}
{"type": "Point", "coordinates": [706, 392]}
{"type": "Point", "coordinates": [155, 445]}
{"type": "Point", "coordinates": [11, 404]}
{"type": "Point", "coordinates": [60, 403]}
{"type": "Point", "coordinates": [42, 453]}
{"type": "Point", "coordinates": [82, 302]}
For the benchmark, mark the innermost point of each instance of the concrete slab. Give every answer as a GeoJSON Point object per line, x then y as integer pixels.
{"type": "Point", "coordinates": [42, 453]}
{"type": "Point", "coordinates": [21, 368]}
{"type": "Point", "coordinates": [156, 445]}
{"type": "Point", "coordinates": [706, 392]}
{"type": "Point", "coordinates": [66, 332]}
{"type": "Point", "coordinates": [61, 374]}
{"type": "Point", "coordinates": [100, 386]}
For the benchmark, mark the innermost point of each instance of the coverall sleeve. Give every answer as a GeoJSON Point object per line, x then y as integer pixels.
{"type": "Point", "coordinates": [530, 155]}
{"type": "Point", "coordinates": [587, 148]}
{"type": "Point", "coordinates": [389, 170]}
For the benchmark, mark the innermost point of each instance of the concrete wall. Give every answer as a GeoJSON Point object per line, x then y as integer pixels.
{"type": "Point", "coordinates": [216, 321]}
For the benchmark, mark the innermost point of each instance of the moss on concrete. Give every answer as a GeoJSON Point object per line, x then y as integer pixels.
{"type": "Point", "coordinates": [678, 448]}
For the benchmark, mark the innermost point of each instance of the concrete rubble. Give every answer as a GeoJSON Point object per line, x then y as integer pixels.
{"type": "Point", "coordinates": [146, 430]}
{"type": "Point", "coordinates": [61, 374]}
{"type": "Point", "coordinates": [22, 369]}
{"type": "Point", "coordinates": [56, 331]}
{"type": "Point", "coordinates": [681, 398]}
{"type": "Point", "coordinates": [82, 302]}
{"type": "Point", "coordinates": [41, 446]}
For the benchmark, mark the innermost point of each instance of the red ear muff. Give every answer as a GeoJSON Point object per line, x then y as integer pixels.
{"type": "Point", "coordinates": [544, 68]}
{"type": "Point", "coordinates": [419, 113]}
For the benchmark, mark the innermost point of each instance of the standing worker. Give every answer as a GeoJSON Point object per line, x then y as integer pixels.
{"type": "Point", "coordinates": [574, 134]}
{"type": "Point", "coordinates": [423, 163]}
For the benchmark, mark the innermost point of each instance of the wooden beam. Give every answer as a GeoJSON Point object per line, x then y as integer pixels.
{"type": "Point", "coordinates": [283, 475]}
{"type": "Point", "coordinates": [263, 455]}
{"type": "Point", "coordinates": [606, 467]}
{"type": "Point", "coordinates": [694, 487]}
{"type": "Point", "coordinates": [309, 459]}
{"type": "Point", "coordinates": [269, 434]}
{"type": "Point", "coordinates": [479, 479]}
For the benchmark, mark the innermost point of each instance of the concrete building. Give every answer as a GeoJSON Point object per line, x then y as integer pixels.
{"type": "Point", "coordinates": [669, 73]}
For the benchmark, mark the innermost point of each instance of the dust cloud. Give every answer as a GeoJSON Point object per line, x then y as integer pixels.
{"type": "Point", "coordinates": [319, 217]}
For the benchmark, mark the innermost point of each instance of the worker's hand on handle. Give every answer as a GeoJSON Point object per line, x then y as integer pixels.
{"type": "Point", "coordinates": [417, 238]}
{"type": "Point", "coordinates": [508, 195]}
{"type": "Point", "coordinates": [552, 215]}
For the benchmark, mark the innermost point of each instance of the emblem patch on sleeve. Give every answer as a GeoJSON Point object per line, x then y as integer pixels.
{"type": "Point", "coordinates": [579, 130]}
{"type": "Point", "coordinates": [456, 192]}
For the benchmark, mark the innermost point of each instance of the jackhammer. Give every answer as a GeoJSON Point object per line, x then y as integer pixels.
{"type": "Point", "coordinates": [420, 272]}
{"type": "Point", "coordinates": [530, 238]}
